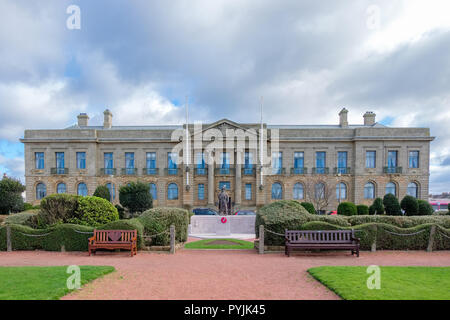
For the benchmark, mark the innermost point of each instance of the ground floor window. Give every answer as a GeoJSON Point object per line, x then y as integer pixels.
{"type": "Point", "coordinates": [277, 191]}
{"type": "Point", "coordinates": [413, 189]}
{"type": "Point", "coordinates": [248, 191]}
{"type": "Point", "coordinates": [172, 191]}
{"type": "Point", "coordinates": [298, 191]}
{"type": "Point", "coordinates": [41, 191]}
{"type": "Point", "coordinates": [369, 191]}
{"type": "Point", "coordinates": [61, 188]}
{"type": "Point", "coordinates": [82, 189]}
{"type": "Point", "coordinates": [153, 191]}
{"type": "Point", "coordinates": [201, 191]}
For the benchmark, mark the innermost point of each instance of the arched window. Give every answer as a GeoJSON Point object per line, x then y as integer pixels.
{"type": "Point", "coordinates": [41, 191]}
{"type": "Point", "coordinates": [153, 190]}
{"type": "Point", "coordinates": [391, 188]}
{"type": "Point", "coordinates": [413, 189]}
{"type": "Point", "coordinates": [172, 191]}
{"type": "Point", "coordinates": [112, 191]}
{"type": "Point", "coordinates": [369, 191]}
{"type": "Point", "coordinates": [82, 189]}
{"type": "Point", "coordinates": [341, 191]}
{"type": "Point", "coordinates": [61, 188]}
{"type": "Point", "coordinates": [319, 191]}
{"type": "Point", "coordinates": [277, 191]}
{"type": "Point", "coordinates": [298, 191]}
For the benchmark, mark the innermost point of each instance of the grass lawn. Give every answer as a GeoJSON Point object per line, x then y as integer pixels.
{"type": "Point", "coordinates": [219, 244]}
{"type": "Point", "coordinates": [396, 283]}
{"type": "Point", "coordinates": [42, 283]}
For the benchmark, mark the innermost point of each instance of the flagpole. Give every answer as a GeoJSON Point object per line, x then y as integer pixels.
{"type": "Point", "coordinates": [261, 135]}
{"type": "Point", "coordinates": [187, 141]}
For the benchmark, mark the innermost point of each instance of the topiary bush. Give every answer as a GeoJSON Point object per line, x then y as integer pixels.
{"type": "Point", "coordinates": [136, 197]}
{"type": "Point", "coordinates": [158, 220]}
{"type": "Point", "coordinates": [24, 218]}
{"type": "Point", "coordinates": [94, 211]}
{"type": "Point", "coordinates": [102, 191]}
{"type": "Point", "coordinates": [56, 208]}
{"type": "Point", "coordinates": [391, 205]}
{"type": "Point", "coordinates": [347, 209]}
{"type": "Point", "coordinates": [410, 205]}
{"type": "Point", "coordinates": [309, 207]}
{"type": "Point", "coordinates": [400, 221]}
{"type": "Point", "coordinates": [424, 208]}
{"type": "Point", "coordinates": [377, 207]}
{"type": "Point", "coordinates": [11, 195]}
{"type": "Point", "coordinates": [362, 209]}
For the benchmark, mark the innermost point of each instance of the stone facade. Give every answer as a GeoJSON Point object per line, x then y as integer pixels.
{"type": "Point", "coordinates": [355, 140]}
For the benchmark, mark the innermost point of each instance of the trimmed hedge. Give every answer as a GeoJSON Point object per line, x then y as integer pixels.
{"type": "Point", "coordinates": [309, 207]}
{"type": "Point", "coordinates": [24, 217]}
{"type": "Point", "coordinates": [102, 191]}
{"type": "Point", "coordinates": [94, 211]}
{"type": "Point", "coordinates": [391, 205]}
{"type": "Point", "coordinates": [362, 209]}
{"type": "Point", "coordinates": [377, 207]}
{"type": "Point", "coordinates": [400, 221]}
{"type": "Point", "coordinates": [410, 205]}
{"type": "Point", "coordinates": [347, 209]}
{"type": "Point", "coordinates": [425, 209]}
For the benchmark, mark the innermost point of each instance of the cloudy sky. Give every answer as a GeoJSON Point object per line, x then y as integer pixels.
{"type": "Point", "coordinates": [307, 59]}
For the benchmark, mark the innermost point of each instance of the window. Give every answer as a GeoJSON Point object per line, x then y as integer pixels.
{"type": "Point", "coordinates": [112, 191]}
{"type": "Point", "coordinates": [41, 191]}
{"type": "Point", "coordinates": [81, 160]}
{"type": "Point", "coordinates": [225, 184]}
{"type": "Point", "coordinates": [150, 158]}
{"type": "Point", "coordinates": [413, 159]}
{"type": "Point", "coordinates": [225, 163]}
{"type": "Point", "coordinates": [172, 191]}
{"type": "Point", "coordinates": [200, 163]}
{"type": "Point", "coordinates": [341, 191]}
{"type": "Point", "coordinates": [391, 188]}
{"type": "Point", "coordinates": [39, 159]}
{"type": "Point", "coordinates": [369, 191]}
{"type": "Point", "coordinates": [320, 162]}
{"type": "Point", "coordinates": [248, 163]}
{"type": "Point", "coordinates": [319, 191]}
{"type": "Point", "coordinates": [153, 191]}
{"type": "Point", "coordinates": [413, 189]}
{"type": "Point", "coordinates": [342, 162]}
{"type": "Point", "coordinates": [201, 191]}
{"type": "Point", "coordinates": [61, 188]}
{"type": "Point", "coordinates": [129, 162]}
{"type": "Point", "coordinates": [298, 162]}
{"type": "Point", "coordinates": [82, 189]}
{"type": "Point", "coordinates": [371, 159]}
{"type": "Point", "coordinates": [392, 159]}
{"type": "Point", "coordinates": [248, 191]}
{"type": "Point", "coordinates": [277, 191]}
{"type": "Point", "coordinates": [172, 159]}
{"type": "Point", "coordinates": [60, 162]}
{"type": "Point", "coordinates": [298, 191]}
{"type": "Point", "coordinates": [108, 162]}
{"type": "Point", "coordinates": [277, 162]}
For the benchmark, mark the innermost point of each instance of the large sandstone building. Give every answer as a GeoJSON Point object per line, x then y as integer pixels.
{"type": "Point", "coordinates": [323, 164]}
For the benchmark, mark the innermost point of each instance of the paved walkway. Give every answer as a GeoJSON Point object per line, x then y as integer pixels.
{"type": "Point", "coordinates": [196, 274]}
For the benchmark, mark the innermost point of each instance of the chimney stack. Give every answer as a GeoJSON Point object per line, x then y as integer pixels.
{"type": "Point", "coordinates": [107, 122]}
{"type": "Point", "coordinates": [83, 120]}
{"type": "Point", "coordinates": [369, 118]}
{"type": "Point", "coordinates": [343, 122]}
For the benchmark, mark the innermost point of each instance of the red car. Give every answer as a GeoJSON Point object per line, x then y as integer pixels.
{"type": "Point", "coordinates": [332, 213]}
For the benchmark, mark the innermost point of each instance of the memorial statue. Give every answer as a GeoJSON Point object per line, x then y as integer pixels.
{"type": "Point", "coordinates": [224, 206]}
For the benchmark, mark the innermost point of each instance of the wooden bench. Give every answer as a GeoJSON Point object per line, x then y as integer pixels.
{"type": "Point", "coordinates": [321, 239]}
{"type": "Point", "coordinates": [113, 239]}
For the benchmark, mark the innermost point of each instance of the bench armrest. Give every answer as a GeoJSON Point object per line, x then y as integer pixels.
{"type": "Point", "coordinates": [357, 240]}
{"type": "Point", "coordinates": [91, 239]}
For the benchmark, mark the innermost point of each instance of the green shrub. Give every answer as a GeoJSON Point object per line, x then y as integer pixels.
{"type": "Point", "coordinates": [158, 220]}
{"type": "Point", "coordinates": [27, 206]}
{"type": "Point", "coordinates": [24, 218]}
{"type": "Point", "coordinates": [120, 210]}
{"type": "Point", "coordinates": [347, 209]}
{"type": "Point", "coordinates": [102, 191]}
{"type": "Point", "coordinates": [391, 205]}
{"type": "Point", "coordinates": [362, 209]}
{"type": "Point", "coordinates": [401, 221]}
{"type": "Point", "coordinates": [136, 197]}
{"type": "Point", "coordinates": [377, 207]}
{"type": "Point", "coordinates": [94, 211]}
{"type": "Point", "coordinates": [309, 207]}
{"type": "Point", "coordinates": [56, 208]}
{"type": "Point", "coordinates": [11, 195]}
{"type": "Point", "coordinates": [425, 209]}
{"type": "Point", "coordinates": [410, 205]}
{"type": "Point", "coordinates": [129, 224]}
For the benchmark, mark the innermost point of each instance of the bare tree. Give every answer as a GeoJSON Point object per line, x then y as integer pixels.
{"type": "Point", "coordinates": [318, 192]}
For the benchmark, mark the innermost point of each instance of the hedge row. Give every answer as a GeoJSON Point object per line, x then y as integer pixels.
{"type": "Point", "coordinates": [401, 221]}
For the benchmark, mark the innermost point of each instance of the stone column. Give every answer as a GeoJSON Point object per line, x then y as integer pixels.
{"type": "Point", "coordinates": [238, 180]}
{"type": "Point", "coordinates": [211, 186]}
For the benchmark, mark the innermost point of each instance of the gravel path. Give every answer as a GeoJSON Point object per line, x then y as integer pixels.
{"type": "Point", "coordinates": [214, 274]}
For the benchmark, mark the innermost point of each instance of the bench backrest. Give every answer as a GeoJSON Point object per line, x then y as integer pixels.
{"type": "Point", "coordinates": [320, 236]}
{"type": "Point", "coordinates": [114, 235]}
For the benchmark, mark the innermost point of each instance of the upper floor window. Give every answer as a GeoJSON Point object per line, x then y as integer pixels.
{"type": "Point", "coordinates": [413, 189]}
{"type": "Point", "coordinates": [277, 191]}
{"type": "Point", "coordinates": [414, 159]}
{"type": "Point", "coordinates": [299, 160]}
{"type": "Point", "coordinates": [151, 160]}
{"type": "Point", "coordinates": [248, 191]}
{"type": "Point", "coordinates": [39, 159]}
{"type": "Point", "coordinates": [200, 160]}
{"type": "Point", "coordinates": [277, 162]}
{"type": "Point", "coordinates": [82, 189]}
{"type": "Point", "coordinates": [153, 191]}
{"type": "Point", "coordinates": [172, 191]}
{"type": "Point", "coordinates": [172, 159]}
{"type": "Point", "coordinates": [342, 161]}
{"type": "Point", "coordinates": [129, 162]}
{"type": "Point", "coordinates": [298, 191]}
{"type": "Point", "coordinates": [320, 161]}
{"type": "Point", "coordinates": [60, 161]}
{"type": "Point", "coordinates": [371, 159]}
{"type": "Point", "coordinates": [108, 162]}
{"type": "Point", "coordinates": [201, 191]}
{"type": "Point", "coordinates": [392, 159]}
{"type": "Point", "coordinates": [225, 160]}
{"type": "Point", "coordinates": [248, 160]}
{"type": "Point", "coordinates": [81, 160]}
{"type": "Point", "coordinates": [61, 188]}
{"type": "Point", "coordinates": [41, 191]}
